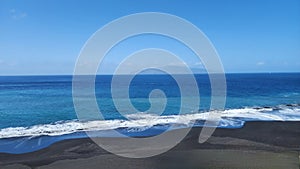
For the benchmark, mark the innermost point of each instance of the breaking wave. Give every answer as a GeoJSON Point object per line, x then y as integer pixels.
{"type": "Point", "coordinates": [231, 118]}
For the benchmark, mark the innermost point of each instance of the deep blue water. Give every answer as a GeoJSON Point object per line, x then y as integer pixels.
{"type": "Point", "coordinates": [36, 101]}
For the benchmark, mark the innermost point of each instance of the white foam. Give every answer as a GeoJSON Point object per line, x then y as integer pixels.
{"type": "Point", "coordinates": [143, 121]}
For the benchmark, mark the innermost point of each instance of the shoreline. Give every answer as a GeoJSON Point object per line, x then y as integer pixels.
{"type": "Point", "coordinates": [259, 144]}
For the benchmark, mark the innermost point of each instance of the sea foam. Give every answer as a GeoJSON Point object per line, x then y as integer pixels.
{"type": "Point", "coordinates": [231, 118]}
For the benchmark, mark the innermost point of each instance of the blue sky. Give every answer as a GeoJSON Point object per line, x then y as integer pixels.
{"type": "Point", "coordinates": [45, 37]}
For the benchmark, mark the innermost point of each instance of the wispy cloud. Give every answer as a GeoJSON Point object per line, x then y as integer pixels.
{"type": "Point", "coordinates": [198, 64]}
{"type": "Point", "coordinates": [176, 64]}
{"type": "Point", "coordinates": [260, 63]}
{"type": "Point", "coordinates": [16, 14]}
{"type": "Point", "coordinates": [6, 64]}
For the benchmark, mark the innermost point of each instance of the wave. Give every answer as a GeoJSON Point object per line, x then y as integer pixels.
{"type": "Point", "coordinates": [231, 118]}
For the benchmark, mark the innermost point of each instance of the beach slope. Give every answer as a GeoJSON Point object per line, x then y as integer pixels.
{"type": "Point", "coordinates": [258, 145]}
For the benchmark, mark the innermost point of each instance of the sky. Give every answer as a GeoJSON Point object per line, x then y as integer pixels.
{"type": "Point", "coordinates": [46, 37]}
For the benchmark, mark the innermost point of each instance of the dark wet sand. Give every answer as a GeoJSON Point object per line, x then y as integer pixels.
{"type": "Point", "coordinates": [258, 145]}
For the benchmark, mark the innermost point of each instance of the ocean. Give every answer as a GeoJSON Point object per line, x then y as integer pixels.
{"type": "Point", "coordinates": [37, 111]}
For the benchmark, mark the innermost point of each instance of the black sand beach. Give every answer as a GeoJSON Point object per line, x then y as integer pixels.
{"type": "Point", "coordinates": [258, 145]}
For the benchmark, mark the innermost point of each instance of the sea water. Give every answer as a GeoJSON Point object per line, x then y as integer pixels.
{"type": "Point", "coordinates": [36, 111]}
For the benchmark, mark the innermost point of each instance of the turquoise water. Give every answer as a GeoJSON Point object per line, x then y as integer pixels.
{"type": "Point", "coordinates": [41, 107]}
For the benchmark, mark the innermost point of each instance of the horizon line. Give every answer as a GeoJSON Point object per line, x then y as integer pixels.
{"type": "Point", "coordinates": [149, 74]}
